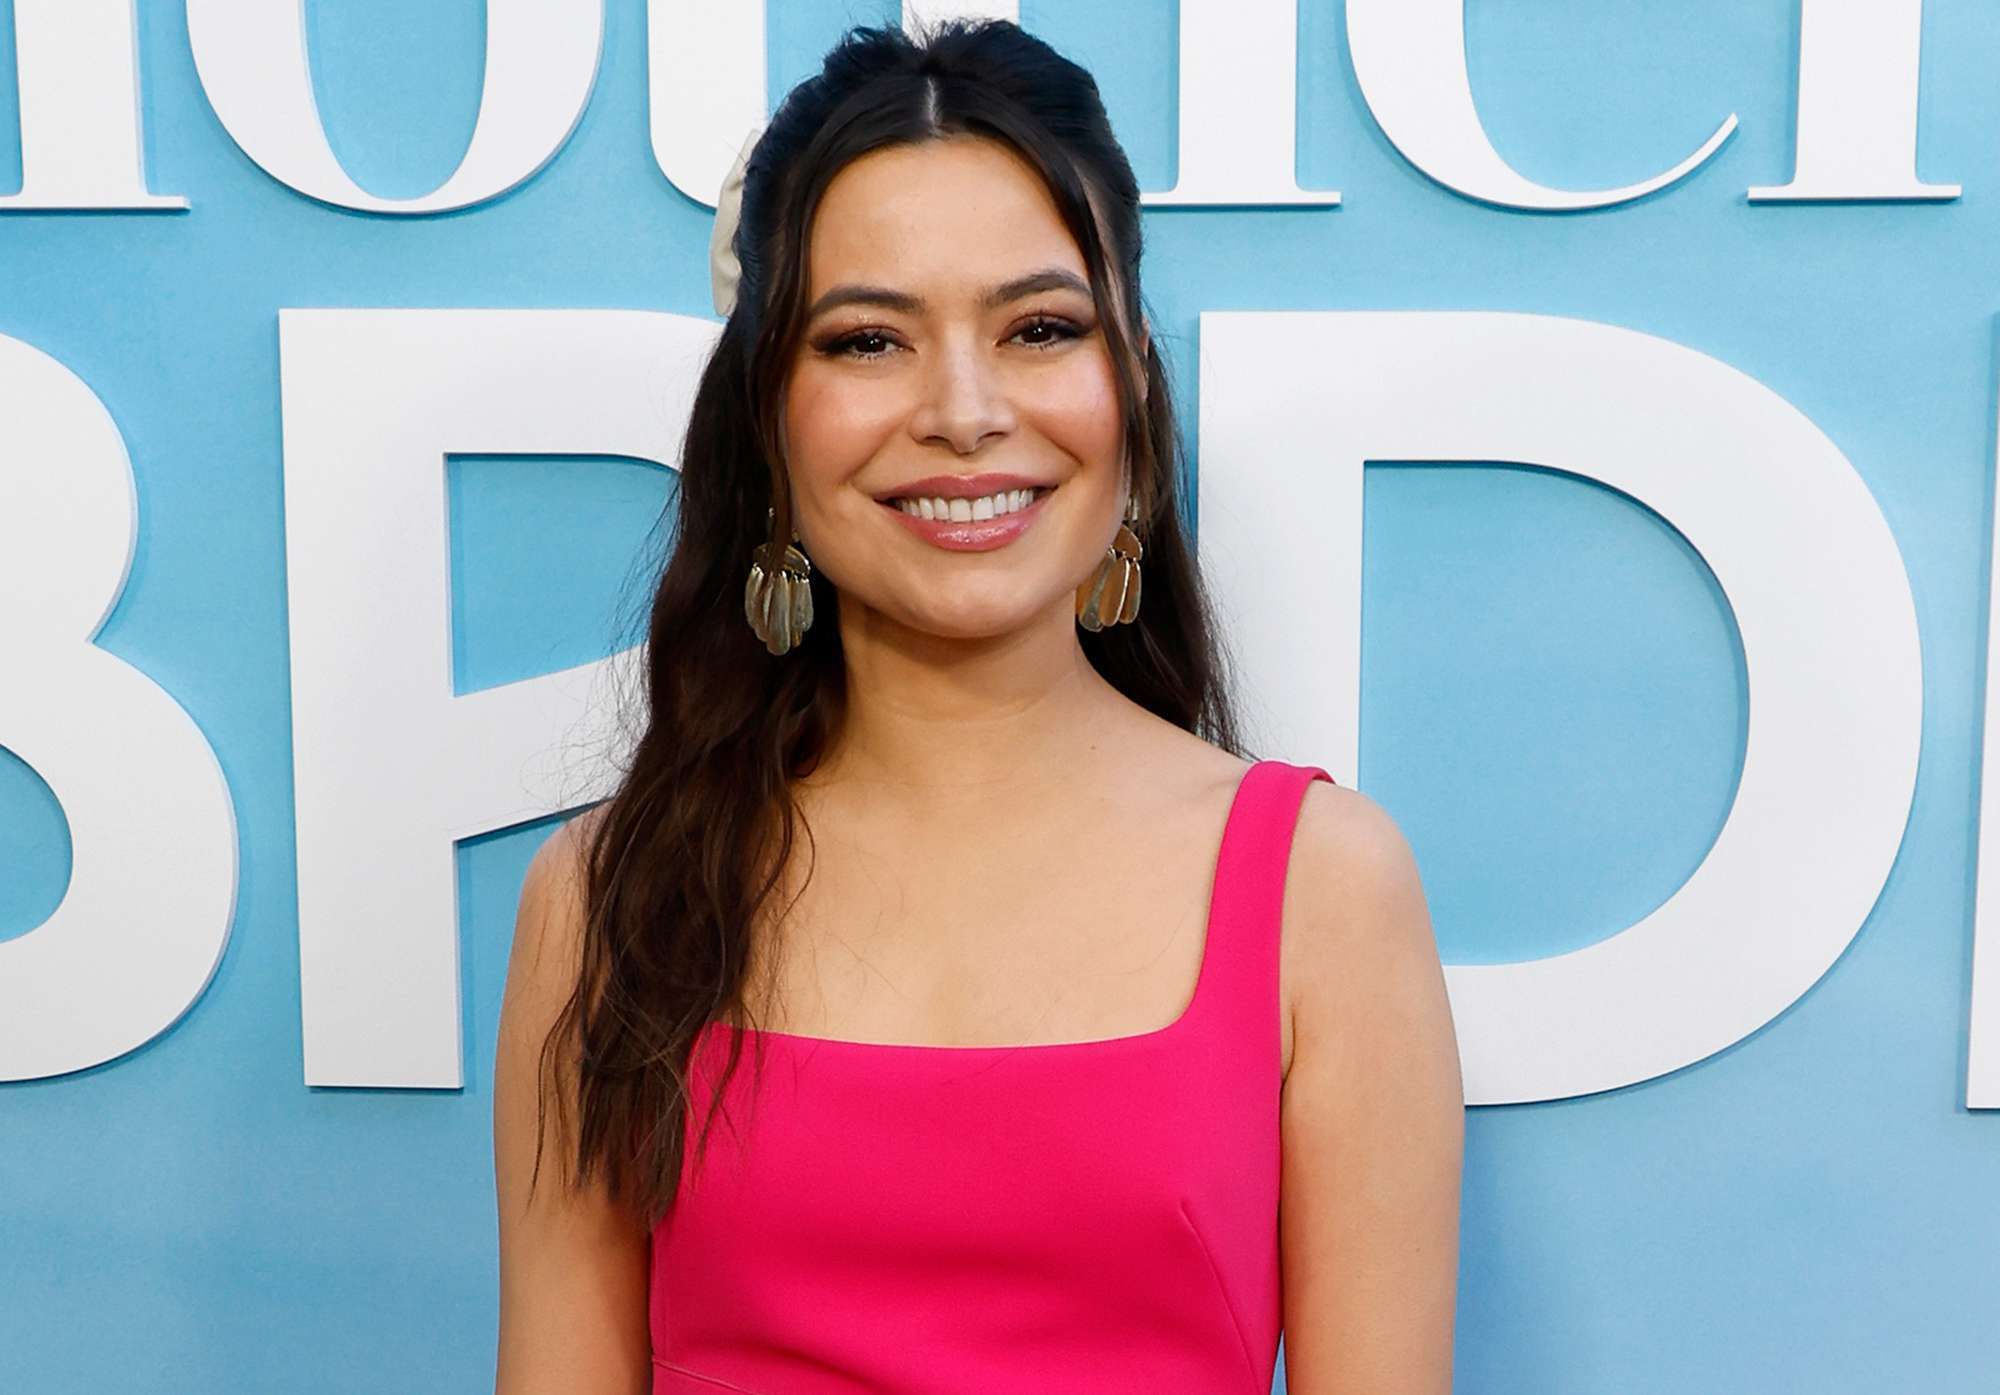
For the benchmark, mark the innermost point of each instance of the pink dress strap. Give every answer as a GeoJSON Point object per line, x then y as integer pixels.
{"type": "Point", "coordinates": [1240, 989]}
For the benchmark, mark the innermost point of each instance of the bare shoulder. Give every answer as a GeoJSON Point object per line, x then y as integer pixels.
{"type": "Point", "coordinates": [554, 885]}
{"type": "Point", "coordinates": [1352, 870]}
{"type": "Point", "coordinates": [552, 890]}
{"type": "Point", "coordinates": [548, 926]}
{"type": "Point", "coordinates": [559, 862]}
{"type": "Point", "coordinates": [1357, 927]}
{"type": "Point", "coordinates": [542, 973]}
{"type": "Point", "coordinates": [1373, 1111]}
{"type": "Point", "coordinates": [573, 1277]}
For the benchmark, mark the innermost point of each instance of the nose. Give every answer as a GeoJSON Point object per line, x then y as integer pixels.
{"type": "Point", "coordinates": [964, 401]}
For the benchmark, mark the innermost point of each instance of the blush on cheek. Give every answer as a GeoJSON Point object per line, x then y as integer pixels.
{"type": "Point", "coordinates": [835, 427]}
{"type": "Point", "coordinates": [1084, 419]}
{"type": "Point", "coordinates": [816, 422]}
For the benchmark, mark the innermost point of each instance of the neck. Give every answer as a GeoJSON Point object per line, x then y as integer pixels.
{"type": "Point", "coordinates": [944, 718]}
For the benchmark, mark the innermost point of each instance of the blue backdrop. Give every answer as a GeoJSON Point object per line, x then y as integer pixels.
{"type": "Point", "coordinates": [1553, 701]}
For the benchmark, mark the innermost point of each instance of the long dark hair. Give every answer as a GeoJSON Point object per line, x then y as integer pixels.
{"type": "Point", "coordinates": [683, 856]}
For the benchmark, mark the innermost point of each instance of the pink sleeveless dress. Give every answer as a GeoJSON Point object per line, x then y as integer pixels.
{"type": "Point", "coordinates": [1096, 1216]}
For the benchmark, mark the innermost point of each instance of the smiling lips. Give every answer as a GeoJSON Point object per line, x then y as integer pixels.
{"type": "Point", "coordinates": [969, 513]}
{"type": "Point", "coordinates": [965, 510]}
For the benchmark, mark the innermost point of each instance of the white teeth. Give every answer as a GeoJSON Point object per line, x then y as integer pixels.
{"type": "Point", "coordinates": [969, 510]}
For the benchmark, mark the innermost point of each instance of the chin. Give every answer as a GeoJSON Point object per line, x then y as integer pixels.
{"type": "Point", "coordinates": [974, 622]}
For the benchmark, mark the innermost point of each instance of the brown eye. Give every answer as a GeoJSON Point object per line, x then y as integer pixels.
{"type": "Point", "coordinates": [1046, 331]}
{"type": "Point", "coordinates": [862, 343]}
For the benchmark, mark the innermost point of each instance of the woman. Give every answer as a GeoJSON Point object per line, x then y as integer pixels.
{"type": "Point", "coordinates": [941, 834]}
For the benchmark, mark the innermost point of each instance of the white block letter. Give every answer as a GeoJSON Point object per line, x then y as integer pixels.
{"type": "Point", "coordinates": [1409, 56]}
{"type": "Point", "coordinates": [1857, 126]}
{"type": "Point", "coordinates": [81, 148]}
{"type": "Point", "coordinates": [1982, 1075]}
{"type": "Point", "coordinates": [541, 62]}
{"type": "Point", "coordinates": [391, 769]}
{"type": "Point", "coordinates": [705, 79]}
{"type": "Point", "coordinates": [932, 11]}
{"type": "Point", "coordinates": [152, 888]}
{"type": "Point", "coordinates": [1292, 405]}
{"type": "Point", "coordinates": [1238, 108]}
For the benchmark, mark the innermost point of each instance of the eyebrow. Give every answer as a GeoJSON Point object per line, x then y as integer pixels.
{"type": "Point", "coordinates": [1049, 278]}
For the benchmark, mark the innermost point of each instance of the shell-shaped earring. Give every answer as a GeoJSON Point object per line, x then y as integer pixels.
{"type": "Point", "coordinates": [777, 598]}
{"type": "Point", "coordinates": [1111, 594]}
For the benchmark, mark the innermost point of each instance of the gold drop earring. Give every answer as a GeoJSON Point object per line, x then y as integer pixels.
{"type": "Point", "coordinates": [1110, 596]}
{"type": "Point", "coordinates": [777, 599]}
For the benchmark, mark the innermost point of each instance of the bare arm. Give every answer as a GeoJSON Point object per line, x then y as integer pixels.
{"type": "Point", "coordinates": [573, 1266]}
{"type": "Point", "coordinates": [1373, 1115]}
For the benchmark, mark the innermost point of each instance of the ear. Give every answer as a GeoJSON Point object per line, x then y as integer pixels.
{"type": "Point", "coordinates": [1145, 346]}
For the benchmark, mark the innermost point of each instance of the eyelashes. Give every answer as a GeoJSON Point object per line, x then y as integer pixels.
{"type": "Point", "coordinates": [849, 345]}
{"type": "Point", "coordinates": [1064, 330]}
{"type": "Point", "coordinates": [865, 343]}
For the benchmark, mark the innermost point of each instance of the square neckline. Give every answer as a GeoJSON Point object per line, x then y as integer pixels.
{"type": "Point", "coordinates": [1203, 975]}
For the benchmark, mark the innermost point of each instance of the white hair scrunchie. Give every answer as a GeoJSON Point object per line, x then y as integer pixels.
{"type": "Point", "coordinates": [725, 272]}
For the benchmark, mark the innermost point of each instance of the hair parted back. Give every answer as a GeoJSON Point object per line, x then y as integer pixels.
{"type": "Point", "coordinates": [683, 856]}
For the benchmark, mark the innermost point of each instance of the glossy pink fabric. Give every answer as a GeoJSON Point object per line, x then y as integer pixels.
{"type": "Point", "coordinates": [1097, 1216]}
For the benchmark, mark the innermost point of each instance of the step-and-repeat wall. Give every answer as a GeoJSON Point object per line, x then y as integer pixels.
{"type": "Point", "coordinates": [1593, 409]}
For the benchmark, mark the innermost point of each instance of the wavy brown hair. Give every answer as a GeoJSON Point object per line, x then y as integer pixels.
{"type": "Point", "coordinates": [681, 859]}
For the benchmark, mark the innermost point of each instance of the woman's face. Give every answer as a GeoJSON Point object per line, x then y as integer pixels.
{"type": "Point", "coordinates": [951, 359]}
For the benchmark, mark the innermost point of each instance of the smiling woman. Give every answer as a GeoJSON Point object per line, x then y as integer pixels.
{"type": "Point", "coordinates": [1074, 1001]}
{"type": "Point", "coordinates": [924, 341]}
